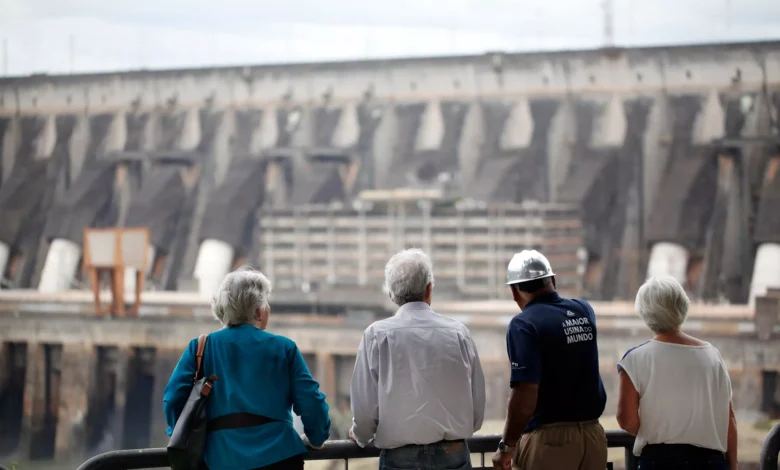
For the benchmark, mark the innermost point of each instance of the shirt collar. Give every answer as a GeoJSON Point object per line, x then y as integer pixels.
{"type": "Point", "coordinates": [410, 307]}
{"type": "Point", "coordinates": [548, 298]}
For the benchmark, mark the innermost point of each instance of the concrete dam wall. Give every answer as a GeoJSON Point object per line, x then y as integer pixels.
{"type": "Point", "coordinates": [668, 154]}
{"type": "Point", "coordinates": [73, 385]}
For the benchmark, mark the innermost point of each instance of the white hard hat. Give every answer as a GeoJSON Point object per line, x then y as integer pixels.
{"type": "Point", "coordinates": [528, 265]}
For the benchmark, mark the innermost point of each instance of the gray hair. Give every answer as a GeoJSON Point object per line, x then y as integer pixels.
{"type": "Point", "coordinates": [407, 274]}
{"type": "Point", "coordinates": [240, 294]}
{"type": "Point", "coordinates": [662, 304]}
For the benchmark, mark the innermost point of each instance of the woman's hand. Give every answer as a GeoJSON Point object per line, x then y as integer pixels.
{"type": "Point", "coordinates": [309, 444]}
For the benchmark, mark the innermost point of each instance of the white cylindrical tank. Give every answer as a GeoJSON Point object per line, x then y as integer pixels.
{"type": "Point", "coordinates": [766, 270]}
{"type": "Point", "coordinates": [5, 253]}
{"type": "Point", "coordinates": [60, 267]}
{"type": "Point", "coordinates": [215, 258]}
{"type": "Point", "coordinates": [668, 259]}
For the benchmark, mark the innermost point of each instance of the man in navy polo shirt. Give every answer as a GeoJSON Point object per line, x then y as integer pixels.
{"type": "Point", "coordinates": [557, 394]}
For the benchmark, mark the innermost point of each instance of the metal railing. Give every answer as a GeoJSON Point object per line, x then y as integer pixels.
{"type": "Point", "coordinates": [334, 450]}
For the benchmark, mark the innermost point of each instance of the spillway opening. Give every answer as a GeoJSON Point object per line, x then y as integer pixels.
{"type": "Point", "coordinates": [102, 402]}
{"type": "Point", "coordinates": [47, 404]}
{"type": "Point", "coordinates": [12, 377]}
{"type": "Point", "coordinates": [770, 396]}
{"type": "Point", "coordinates": [138, 401]}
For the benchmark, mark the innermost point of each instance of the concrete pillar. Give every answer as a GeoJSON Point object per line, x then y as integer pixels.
{"type": "Point", "coordinates": [47, 139]}
{"type": "Point", "coordinates": [116, 137]}
{"type": "Point", "coordinates": [5, 254]}
{"type": "Point", "coordinates": [139, 406]}
{"type": "Point", "coordinates": [275, 184]}
{"type": "Point", "coordinates": [711, 121]}
{"type": "Point", "coordinates": [519, 127]}
{"type": "Point", "coordinates": [302, 126]}
{"type": "Point", "coordinates": [31, 384]}
{"type": "Point", "coordinates": [77, 146]}
{"type": "Point", "coordinates": [222, 145]}
{"type": "Point", "coordinates": [60, 266]}
{"type": "Point", "coordinates": [611, 127]}
{"type": "Point", "coordinates": [384, 146]}
{"type": "Point", "coordinates": [766, 270]}
{"type": "Point", "coordinates": [471, 141]}
{"type": "Point", "coordinates": [767, 316]}
{"type": "Point", "coordinates": [120, 398]}
{"type": "Point", "coordinates": [165, 361]}
{"type": "Point", "coordinates": [668, 259]}
{"type": "Point", "coordinates": [11, 142]}
{"type": "Point", "coordinates": [215, 259]}
{"type": "Point", "coordinates": [41, 416]}
{"type": "Point", "coordinates": [431, 129]}
{"type": "Point", "coordinates": [655, 142]}
{"type": "Point", "coordinates": [268, 133]}
{"type": "Point", "coordinates": [326, 375]}
{"type": "Point", "coordinates": [348, 130]}
{"type": "Point", "coordinates": [560, 144]}
{"type": "Point", "coordinates": [190, 133]}
{"type": "Point", "coordinates": [78, 363]}
{"type": "Point", "coordinates": [13, 356]}
{"type": "Point", "coordinates": [151, 132]}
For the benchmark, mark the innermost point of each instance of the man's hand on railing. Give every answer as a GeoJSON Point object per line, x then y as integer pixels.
{"type": "Point", "coordinates": [309, 444]}
{"type": "Point", "coordinates": [503, 460]}
{"type": "Point", "coordinates": [352, 435]}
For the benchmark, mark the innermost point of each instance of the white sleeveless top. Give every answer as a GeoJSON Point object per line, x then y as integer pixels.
{"type": "Point", "coordinates": [684, 394]}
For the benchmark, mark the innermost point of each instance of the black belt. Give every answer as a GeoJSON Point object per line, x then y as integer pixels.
{"type": "Point", "coordinates": [236, 421]}
{"type": "Point", "coordinates": [679, 451]}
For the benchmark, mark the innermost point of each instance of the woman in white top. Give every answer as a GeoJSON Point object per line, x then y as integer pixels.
{"type": "Point", "coordinates": [675, 391]}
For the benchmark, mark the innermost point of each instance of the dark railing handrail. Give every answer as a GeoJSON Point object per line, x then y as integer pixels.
{"type": "Point", "coordinates": [333, 450]}
{"type": "Point", "coordinates": [770, 449]}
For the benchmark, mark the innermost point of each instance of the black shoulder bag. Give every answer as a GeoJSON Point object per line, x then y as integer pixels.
{"type": "Point", "coordinates": [185, 449]}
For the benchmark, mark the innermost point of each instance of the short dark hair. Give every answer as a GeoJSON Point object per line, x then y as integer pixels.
{"type": "Point", "coordinates": [532, 287]}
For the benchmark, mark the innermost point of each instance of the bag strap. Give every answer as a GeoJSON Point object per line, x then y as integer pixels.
{"type": "Point", "coordinates": [199, 356]}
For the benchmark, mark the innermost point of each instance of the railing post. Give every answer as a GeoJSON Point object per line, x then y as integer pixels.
{"type": "Point", "coordinates": [631, 460]}
{"type": "Point", "coordinates": [771, 449]}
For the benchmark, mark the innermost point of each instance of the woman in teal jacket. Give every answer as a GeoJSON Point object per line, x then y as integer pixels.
{"type": "Point", "coordinates": [261, 377]}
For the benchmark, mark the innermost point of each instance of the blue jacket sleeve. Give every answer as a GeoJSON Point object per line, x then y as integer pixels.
{"type": "Point", "coordinates": [179, 386]}
{"type": "Point", "coordinates": [308, 402]}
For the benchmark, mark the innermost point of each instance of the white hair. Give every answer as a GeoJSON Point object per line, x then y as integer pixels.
{"type": "Point", "coordinates": [240, 294]}
{"type": "Point", "coordinates": [407, 274]}
{"type": "Point", "coordinates": [662, 304]}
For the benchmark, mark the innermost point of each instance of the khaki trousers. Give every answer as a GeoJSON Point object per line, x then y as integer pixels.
{"type": "Point", "coordinates": [564, 446]}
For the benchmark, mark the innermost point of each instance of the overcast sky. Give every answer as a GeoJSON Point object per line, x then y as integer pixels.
{"type": "Point", "coordinates": [60, 36]}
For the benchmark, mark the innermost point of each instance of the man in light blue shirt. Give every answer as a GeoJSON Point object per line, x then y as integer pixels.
{"type": "Point", "coordinates": [438, 388]}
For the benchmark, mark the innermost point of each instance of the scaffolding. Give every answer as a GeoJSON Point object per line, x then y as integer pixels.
{"type": "Point", "coordinates": [470, 244]}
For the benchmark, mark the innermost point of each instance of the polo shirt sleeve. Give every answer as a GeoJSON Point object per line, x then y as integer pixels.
{"type": "Point", "coordinates": [522, 345]}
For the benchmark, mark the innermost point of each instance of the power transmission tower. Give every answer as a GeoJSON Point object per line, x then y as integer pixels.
{"type": "Point", "coordinates": [72, 51]}
{"type": "Point", "coordinates": [5, 57]}
{"type": "Point", "coordinates": [609, 34]}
